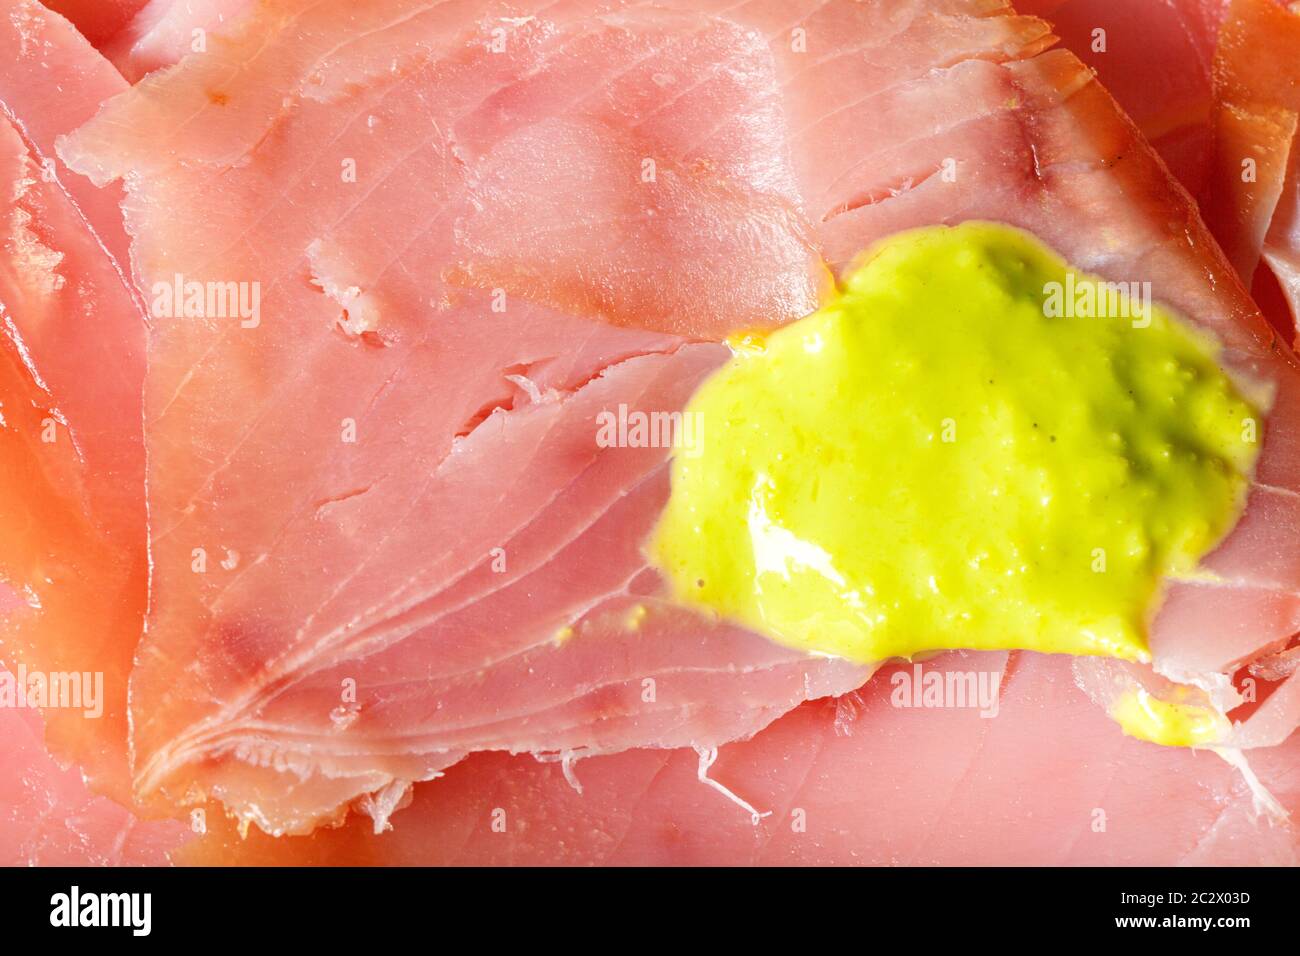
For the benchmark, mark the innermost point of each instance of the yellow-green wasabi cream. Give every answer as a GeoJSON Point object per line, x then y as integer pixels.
{"type": "Point", "coordinates": [957, 452]}
{"type": "Point", "coordinates": [1171, 723]}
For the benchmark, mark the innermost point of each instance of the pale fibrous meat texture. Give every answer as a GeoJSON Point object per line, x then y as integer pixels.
{"type": "Point", "coordinates": [432, 242]}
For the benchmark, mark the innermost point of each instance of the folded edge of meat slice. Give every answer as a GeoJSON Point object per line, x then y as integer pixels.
{"type": "Point", "coordinates": [1154, 56]}
{"type": "Point", "coordinates": [1256, 210]}
{"type": "Point", "coordinates": [870, 778]}
{"type": "Point", "coordinates": [71, 372]}
{"type": "Point", "coordinates": [52, 818]}
{"type": "Point", "coordinates": [383, 531]}
{"type": "Point", "coordinates": [97, 20]}
{"type": "Point", "coordinates": [471, 561]}
{"type": "Point", "coordinates": [1211, 84]}
{"type": "Point", "coordinates": [164, 31]}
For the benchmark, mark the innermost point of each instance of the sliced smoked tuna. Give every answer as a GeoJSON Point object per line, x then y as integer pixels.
{"type": "Point", "coordinates": [98, 20]}
{"type": "Point", "coordinates": [71, 370]}
{"type": "Point", "coordinates": [1210, 83]}
{"type": "Point", "coordinates": [1154, 57]}
{"type": "Point", "coordinates": [383, 530]}
{"type": "Point", "coordinates": [1254, 203]}
{"type": "Point", "coordinates": [870, 778]}
{"type": "Point", "coordinates": [164, 31]}
{"type": "Point", "coordinates": [49, 817]}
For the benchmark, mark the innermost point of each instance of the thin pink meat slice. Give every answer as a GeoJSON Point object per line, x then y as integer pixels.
{"type": "Point", "coordinates": [165, 31]}
{"type": "Point", "coordinates": [51, 82]}
{"type": "Point", "coordinates": [1154, 56]}
{"type": "Point", "coordinates": [98, 20]}
{"type": "Point", "coordinates": [1210, 84]}
{"type": "Point", "coordinates": [468, 568]}
{"type": "Point", "coordinates": [867, 779]}
{"type": "Point", "coordinates": [49, 817]}
{"type": "Point", "coordinates": [1252, 202]}
{"type": "Point", "coordinates": [73, 343]}
{"type": "Point", "coordinates": [393, 546]}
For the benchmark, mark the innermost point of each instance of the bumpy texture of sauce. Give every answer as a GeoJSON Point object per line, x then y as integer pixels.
{"type": "Point", "coordinates": [1171, 723]}
{"type": "Point", "coordinates": [958, 451]}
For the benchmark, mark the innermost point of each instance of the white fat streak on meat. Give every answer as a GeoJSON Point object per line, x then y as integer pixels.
{"type": "Point", "coordinates": [708, 757]}
{"type": "Point", "coordinates": [37, 263]}
{"type": "Point", "coordinates": [381, 804]}
{"type": "Point", "coordinates": [1277, 666]}
{"type": "Point", "coordinates": [1263, 803]}
{"type": "Point", "coordinates": [566, 759]}
{"type": "Point", "coordinates": [164, 32]}
{"type": "Point", "coordinates": [330, 273]}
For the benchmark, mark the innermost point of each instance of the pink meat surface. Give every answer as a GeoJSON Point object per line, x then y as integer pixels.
{"type": "Point", "coordinates": [98, 20]}
{"type": "Point", "coordinates": [858, 780]}
{"type": "Point", "coordinates": [71, 370]}
{"type": "Point", "coordinates": [383, 534]}
{"type": "Point", "coordinates": [410, 545]}
{"type": "Point", "coordinates": [1212, 84]}
{"type": "Point", "coordinates": [165, 31]}
{"type": "Point", "coordinates": [1154, 56]}
{"type": "Point", "coordinates": [49, 817]}
{"type": "Point", "coordinates": [1257, 87]}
